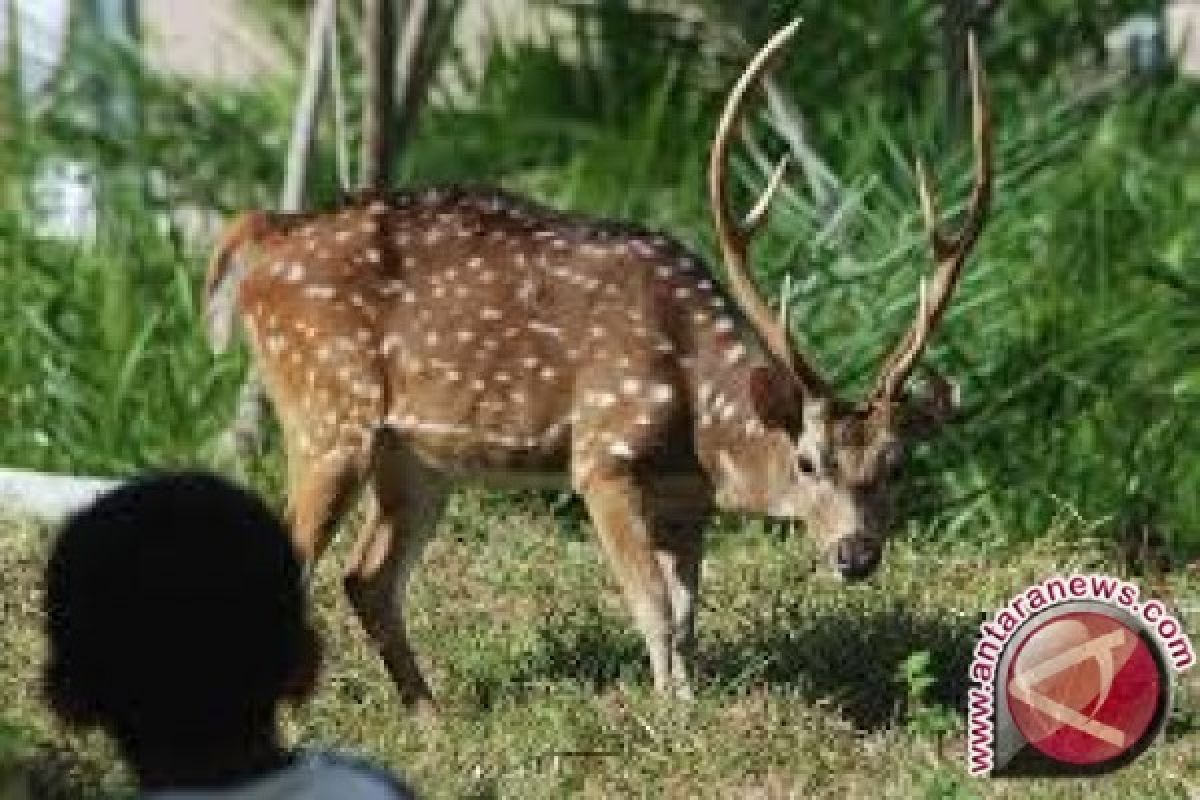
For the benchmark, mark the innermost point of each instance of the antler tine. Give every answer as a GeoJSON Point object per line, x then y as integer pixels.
{"type": "Point", "coordinates": [756, 215]}
{"type": "Point", "coordinates": [929, 210]}
{"type": "Point", "coordinates": [734, 237]}
{"type": "Point", "coordinates": [893, 380]}
{"type": "Point", "coordinates": [950, 253]}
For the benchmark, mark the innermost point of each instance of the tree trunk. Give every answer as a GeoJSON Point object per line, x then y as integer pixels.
{"type": "Point", "coordinates": [414, 67]}
{"type": "Point", "coordinates": [379, 60]}
{"type": "Point", "coordinates": [304, 120]}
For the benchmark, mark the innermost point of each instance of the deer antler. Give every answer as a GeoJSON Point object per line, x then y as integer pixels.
{"type": "Point", "coordinates": [950, 252]}
{"type": "Point", "coordinates": [734, 237]}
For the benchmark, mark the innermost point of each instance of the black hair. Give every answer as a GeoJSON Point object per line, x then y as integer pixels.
{"type": "Point", "coordinates": [175, 611]}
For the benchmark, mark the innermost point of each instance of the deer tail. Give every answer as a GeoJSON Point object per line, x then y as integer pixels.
{"type": "Point", "coordinates": [225, 272]}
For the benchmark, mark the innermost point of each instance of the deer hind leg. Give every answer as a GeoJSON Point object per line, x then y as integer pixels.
{"type": "Point", "coordinates": [679, 523]}
{"type": "Point", "coordinates": [319, 490]}
{"type": "Point", "coordinates": [408, 500]}
{"type": "Point", "coordinates": [616, 505]}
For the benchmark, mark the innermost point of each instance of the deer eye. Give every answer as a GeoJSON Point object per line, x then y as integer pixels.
{"type": "Point", "coordinates": [805, 465]}
{"type": "Point", "coordinates": [891, 459]}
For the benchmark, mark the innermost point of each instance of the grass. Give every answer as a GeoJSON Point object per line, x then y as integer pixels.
{"type": "Point", "coordinates": [807, 688]}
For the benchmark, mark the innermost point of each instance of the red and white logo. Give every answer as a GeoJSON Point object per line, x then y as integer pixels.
{"type": "Point", "coordinates": [1084, 688]}
{"type": "Point", "coordinates": [1072, 676]}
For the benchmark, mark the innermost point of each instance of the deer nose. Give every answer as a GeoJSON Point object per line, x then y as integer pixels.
{"type": "Point", "coordinates": [856, 558]}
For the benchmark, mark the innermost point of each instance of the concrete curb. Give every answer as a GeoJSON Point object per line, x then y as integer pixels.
{"type": "Point", "coordinates": [47, 497]}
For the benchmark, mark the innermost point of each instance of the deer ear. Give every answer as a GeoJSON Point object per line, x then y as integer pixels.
{"type": "Point", "coordinates": [760, 387]}
{"type": "Point", "coordinates": [932, 407]}
{"type": "Point", "coordinates": [768, 395]}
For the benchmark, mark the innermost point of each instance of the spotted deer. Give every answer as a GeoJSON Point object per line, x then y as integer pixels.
{"type": "Point", "coordinates": [429, 338]}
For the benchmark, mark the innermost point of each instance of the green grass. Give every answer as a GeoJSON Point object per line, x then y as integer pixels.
{"type": "Point", "coordinates": [806, 687]}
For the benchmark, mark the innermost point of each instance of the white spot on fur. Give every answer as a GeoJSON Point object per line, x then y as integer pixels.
{"type": "Point", "coordinates": [391, 342]}
{"type": "Point", "coordinates": [527, 291]}
{"type": "Point", "coordinates": [547, 330]}
{"type": "Point", "coordinates": [319, 292]}
{"type": "Point", "coordinates": [621, 449]}
{"type": "Point", "coordinates": [603, 399]}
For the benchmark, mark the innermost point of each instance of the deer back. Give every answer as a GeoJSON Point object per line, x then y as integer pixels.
{"type": "Point", "coordinates": [495, 334]}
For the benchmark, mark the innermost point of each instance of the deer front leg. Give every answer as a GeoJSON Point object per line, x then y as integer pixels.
{"type": "Point", "coordinates": [615, 503]}
{"type": "Point", "coordinates": [679, 548]}
{"type": "Point", "coordinates": [408, 502]}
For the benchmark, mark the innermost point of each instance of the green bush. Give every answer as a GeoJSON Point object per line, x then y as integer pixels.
{"type": "Point", "coordinates": [1074, 332]}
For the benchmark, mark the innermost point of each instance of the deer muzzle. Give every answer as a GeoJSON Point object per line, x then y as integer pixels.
{"type": "Point", "coordinates": [855, 557]}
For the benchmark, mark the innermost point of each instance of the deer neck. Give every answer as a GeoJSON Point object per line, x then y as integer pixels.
{"type": "Point", "coordinates": [734, 441]}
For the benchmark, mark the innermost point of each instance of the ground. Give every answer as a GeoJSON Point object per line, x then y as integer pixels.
{"type": "Point", "coordinates": [807, 687]}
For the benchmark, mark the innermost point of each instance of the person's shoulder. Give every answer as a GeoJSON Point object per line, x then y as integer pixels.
{"type": "Point", "coordinates": [351, 777]}
{"type": "Point", "coordinates": [311, 775]}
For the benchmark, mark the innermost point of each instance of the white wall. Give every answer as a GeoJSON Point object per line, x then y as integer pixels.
{"type": "Point", "coordinates": [208, 39]}
{"type": "Point", "coordinates": [42, 30]}
{"type": "Point", "coordinates": [1182, 21]}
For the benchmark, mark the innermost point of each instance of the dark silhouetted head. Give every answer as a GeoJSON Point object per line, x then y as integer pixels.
{"type": "Point", "coordinates": [175, 610]}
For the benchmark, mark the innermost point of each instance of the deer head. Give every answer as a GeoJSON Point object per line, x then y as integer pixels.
{"type": "Point", "coordinates": [823, 459]}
